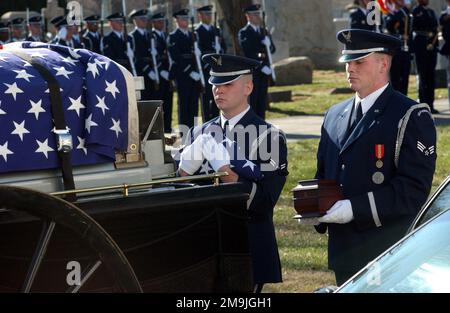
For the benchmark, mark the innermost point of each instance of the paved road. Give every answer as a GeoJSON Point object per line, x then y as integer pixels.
{"type": "Point", "coordinates": [308, 126]}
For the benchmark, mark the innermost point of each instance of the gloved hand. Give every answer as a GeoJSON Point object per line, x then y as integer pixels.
{"type": "Point", "coordinates": [153, 51]}
{"type": "Point", "coordinates": [215, 152]}
{"type": "Point", "coordinates": [195, 76]}
{"type": "Point", "coordinates": [164, 74]}
{"type": "Point", "coordinates": [340, 213]}
{"type": "Point", "coordinates": [62, 33]}
{"type": "Point", "coordinates": [152, 75]}
{"type": "Point", "coordinates": [130, 52]}
{"type": "Point", "coordinates": [309, 221]}
{"type": "Point", "coordinates": [197, 51]}
{"type": "Point", "coordinates": [266, 41]}
{"type": "Point", "coordinates": [266, 70]}
{"type": "Point", "coordinates": [192, 156]}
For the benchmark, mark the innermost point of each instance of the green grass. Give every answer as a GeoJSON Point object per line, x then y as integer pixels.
{"type": "Point", "coordinates": [303, 252]}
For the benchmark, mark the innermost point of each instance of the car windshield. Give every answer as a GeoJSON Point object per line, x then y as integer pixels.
{"type": "Point", "coordinates": [420, 263]}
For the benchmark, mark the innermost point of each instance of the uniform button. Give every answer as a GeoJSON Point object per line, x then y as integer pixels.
{"type": "Point", "coordinates": [343, 167]}
{"type": "Point", "coordinates": [342, 185]}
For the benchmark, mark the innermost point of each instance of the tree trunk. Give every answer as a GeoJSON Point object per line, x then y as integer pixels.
{"type": "Point", "coordinates": [235, 18]}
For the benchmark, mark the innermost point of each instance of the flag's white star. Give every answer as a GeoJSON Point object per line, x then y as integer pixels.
{"type": "Point", "coordinates": [26, 63]}
{"type": "Point", "coordinates": [205, 168]}
{"type": "Point", "coordinates": [89, 123]}
{"type": "Point", "coordinates": [4, 151]}
{"type": "Point", "coordinates": [43, 147]}
{"type": "Point", "coordinates": [81, 145]}
{"type": "Point", "coordinates": [36, 108]}
{"type": "Point", "coordinates": [111, 88]}
{"type": "Point", "coordinates": [249, 164]}
{"type": "Point", "coordinates": [61, 71]}
{"type": "Point", "coordinates": [3, 58]}
{"type": "Point", "coordinates": [20, 130]}
{"type": "Point", "coordinates": [101, 104]}
{"type": "Point", "coordinates": [92, 67]}
{"type": "Point", "coordinates": [13, 89]}
{"type": "Point", "coordinates": [23, 74]}
{"type": "Point", "coordinates": [74, 53]}
{"type": "Point", "coordinates": [99, 63]}
{"type": "Point", "coordinates": [69, 60]}
{"type": "Point", "coordinates": [1, 111]}
{"type": "Point", "coordinates": [116, 127]}
{"type": "Point", "coordinates": [38, 55]}
{"type": "Point", "coordinates": [76, 105]}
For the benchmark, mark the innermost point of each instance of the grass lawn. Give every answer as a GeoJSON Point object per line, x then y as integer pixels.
{"type": "Point", "coordinates": [303, 252]}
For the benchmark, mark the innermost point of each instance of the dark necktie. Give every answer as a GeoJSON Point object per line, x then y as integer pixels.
{"type": "Point", "coordinates": [225, 129]}
{"type": "Point", "coordinates": [356, 117]}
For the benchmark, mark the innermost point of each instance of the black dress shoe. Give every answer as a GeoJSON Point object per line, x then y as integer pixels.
{"type": "Point", "coordinates": [434, 111]}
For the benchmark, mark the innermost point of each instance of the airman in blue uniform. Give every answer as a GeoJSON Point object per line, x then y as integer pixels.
{"type": "Point", "coordinates": [35, 29]}
{"type": "Point", "coordinates": [253, 39]}
{"type": "Point", "coordinates": [252, 151]}
{"type": "Point", "coordinates": [207, 34]}
{"type": "Point", "coordinates": [165, 91]}
{"type": "Point", "coordinates": [17, 29]}
{"type": "Point", "coordinates": [444, 21]}
{"type": "Point", "coordinates": [425, 42]}
{"type": "Point", "coordinates": [91, 37]}
{"type": "Point", "coordinates": [358, 17]}
{"type": "Point", "coordinates": [114, 45]}
{"type": "Point", "coordinates": [398, 24]}
{"type": "Point", "coordinates": [4, 33]}
{"type": "Point", "coordinates": [184, 69]}
{"type": "Point", "coordinates": [380, 146]}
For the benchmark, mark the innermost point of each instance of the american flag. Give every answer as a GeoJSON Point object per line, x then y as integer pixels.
{"type": "Point", "coordinates": [95, 104]}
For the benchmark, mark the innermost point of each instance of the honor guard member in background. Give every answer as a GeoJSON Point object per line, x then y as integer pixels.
{"type": "Point", "coordinates": [380, 146]}
{"type": "Point", "coordinates": [252, 151]}
{"type": "Point", "coordinates": [252, 41]}
{"type": "Point", "coordinates": [35, 29]}
{"type": "Point", "coordinates": [207, 34]}
{"type": "Point", "coordinates": [444, 21]}
{"type": "Point", "coordinates": [358, 17]}
{"type": "Point", "coordinates": [55, 21]}
{"type": "Point", "coordinates": [140, 39]}
{"type": "Point", "coordinates": [17, 29]}
{"type": "Point", "coordinates": [91, 37]}
{"type": "Point", "coordinates": [181, 49]}
{"type": "Point", "coordinates": [4, 33]}
{"type": "Point", "coordinates": [114, 44]}
{"type": "Point", "coordinates": [398, 24]}
{"type": "Point", "coordinates": [165, 91]}
{"type": "Point", "coordinates": [425, 42]}
{"type": "Point", "coordinates": [64, 35]}
{"type": "Point", "coordinates": [76, 38]}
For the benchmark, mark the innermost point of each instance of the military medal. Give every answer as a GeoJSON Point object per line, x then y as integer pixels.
{"type": "Point", "coordinates": [378, 178]}
{"type": "Point", "coordinates": [379, 164]}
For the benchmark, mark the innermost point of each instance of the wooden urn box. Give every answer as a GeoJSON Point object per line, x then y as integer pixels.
{"type": "Point", "coordinates": [312, 198]}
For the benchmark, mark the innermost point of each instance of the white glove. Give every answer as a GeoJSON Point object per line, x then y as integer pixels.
{"type": "Point", "coordinates": [266, 70]}
{"type": "Point", "coordinates": [130, 52]}
{"type": "Point", "coordinates": [340, 213]}
{"type": "Point", "coordinates": [197, 51]}
{"type": "Point", "coordinates": [309, 221]}
{"type": "Point", "coordinates": [152, 75]}
{"type": "Point", "coordinates": [62, 33]}
{"type": "Point", "coordinates": [154, 52]}
{"type": "Point", "coordinates": [215, 152]}
{"type": "Point", "coordinates": [192, 156]}
{"type": "Point", "coordinates": [266, 41]}
{"type": "Point", "coordinates": [164, 74]}
{"type": "Point", "coordinates": [195, 76]}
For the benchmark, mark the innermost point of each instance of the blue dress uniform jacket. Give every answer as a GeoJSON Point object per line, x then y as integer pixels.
{"type": "Point", "coordinates": [383, 208]}
{"type": "Point", "coordinates": [91, 41]}
{"type": "Point", "coordinates": [181, 51]}
{"type": "Point", "coordinates": [207, 40]}
{"type": "Point", "coordinates": [115, 48]}
{"type": "Point", "coordinates": [263, 194]}
{"type": "Point", "coordinates": [250, 42]}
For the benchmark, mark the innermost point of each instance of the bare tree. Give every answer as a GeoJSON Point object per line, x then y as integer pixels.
{"type": "Point", "coordinates": [234, 18]}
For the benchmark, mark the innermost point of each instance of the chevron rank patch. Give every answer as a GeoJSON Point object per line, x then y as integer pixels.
{"type": "Point", "coordinates": [426, 151]}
